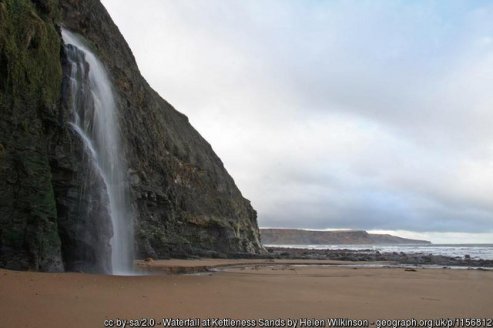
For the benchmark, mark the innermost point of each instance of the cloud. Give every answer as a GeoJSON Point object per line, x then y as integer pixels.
{"type": "Point", "coordinates": [340, 114]}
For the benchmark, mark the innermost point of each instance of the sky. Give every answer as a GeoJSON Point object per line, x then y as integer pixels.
{"type": "Point", "coordinates": [374, 115]}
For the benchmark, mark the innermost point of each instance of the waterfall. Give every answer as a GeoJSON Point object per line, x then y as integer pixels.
{"type": "Point", "coordinates": [95, 120]}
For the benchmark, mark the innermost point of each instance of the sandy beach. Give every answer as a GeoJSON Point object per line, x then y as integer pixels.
{"type": "Point", "coordinates": [258, 290]}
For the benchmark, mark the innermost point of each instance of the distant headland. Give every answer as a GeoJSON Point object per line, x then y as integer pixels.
{"type": "Point", "coordinates": [340, 237]}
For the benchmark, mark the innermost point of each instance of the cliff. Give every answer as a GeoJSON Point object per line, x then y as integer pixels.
{"type": "Point", "coordinates": [30, 80]}
{"type": "Point", "coordinates": [309, 237]}
{"type": "Point", "coordinates": [183, 199]}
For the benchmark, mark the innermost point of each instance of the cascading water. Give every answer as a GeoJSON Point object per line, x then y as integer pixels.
{"type": "Point", "coordinates": [95, 120]}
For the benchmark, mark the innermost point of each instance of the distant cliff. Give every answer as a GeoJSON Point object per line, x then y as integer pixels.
{"type": "Point", "coordinates": [184, 200]}
{"type": "Point", "coordinates": [310, 237]}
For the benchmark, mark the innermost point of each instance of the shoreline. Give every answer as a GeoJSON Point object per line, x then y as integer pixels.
{"type": "Point", "coordinates": [205, 265]}
{"type": "Point", "coordinates": [305, 256]}
{"type": "Point", "coordinates": [369, 255]}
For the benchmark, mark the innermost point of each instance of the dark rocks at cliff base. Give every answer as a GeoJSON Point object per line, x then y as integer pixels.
{"type": "Point", "coordinates": [368, 255]}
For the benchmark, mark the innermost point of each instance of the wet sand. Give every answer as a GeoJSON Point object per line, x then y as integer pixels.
{"type": "Point", "coordinates": [260, 290]}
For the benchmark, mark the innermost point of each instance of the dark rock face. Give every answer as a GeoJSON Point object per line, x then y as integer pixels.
{"type": "Point", "coordinates": [186, 202]}
{"type": "Point", "coordinates": [307, 237]}
{"type": "Point", "coordinates": [30, 77]}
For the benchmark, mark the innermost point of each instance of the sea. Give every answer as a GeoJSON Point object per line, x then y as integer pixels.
{"type": "Point", "coordinates": [475, 251]}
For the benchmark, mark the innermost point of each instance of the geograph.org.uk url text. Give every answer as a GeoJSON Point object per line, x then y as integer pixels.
{"type": "Point", "coordinates": [302, 323]}
{"type": "Point", "coordinates": [434, 323]}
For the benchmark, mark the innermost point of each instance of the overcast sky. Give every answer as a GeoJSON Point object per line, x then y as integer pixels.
{"type": "Point", "coordinates": [373, 115]}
